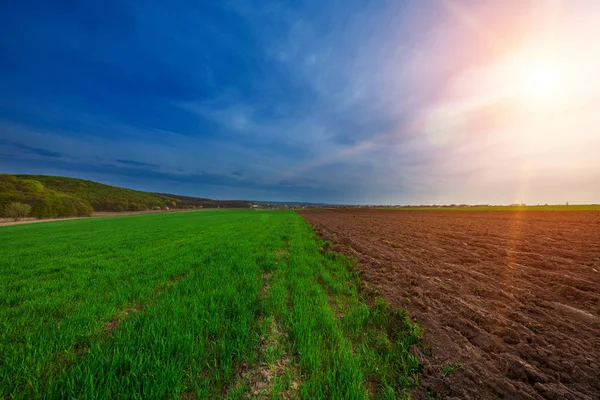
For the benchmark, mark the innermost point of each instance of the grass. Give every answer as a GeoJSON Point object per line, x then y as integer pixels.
{"type": "Point", "coordinates": [557, 207]}
{"type": "Point", "coordinates": [452, 367]}
{"type": "Point", "coordinates": [193, 305]}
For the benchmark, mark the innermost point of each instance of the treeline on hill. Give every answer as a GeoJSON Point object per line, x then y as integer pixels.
{"type": "Point", "coordinates": [55, 196]}
{"type": "Point", "coordinates": [44, 202]}
{"type": "Point", "coordinates": [104, 197]}
{"type": "Point", "coordinates": [194, 202]}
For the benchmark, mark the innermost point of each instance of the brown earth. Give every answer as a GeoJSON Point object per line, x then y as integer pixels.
{"type": "Point", "coordinates": [511, 298]}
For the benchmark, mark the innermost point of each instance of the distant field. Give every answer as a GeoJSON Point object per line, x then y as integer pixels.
{"type": "Point", "coordinates": [230, 304]}
{"type": "Point", "coordinates": [575, 207]}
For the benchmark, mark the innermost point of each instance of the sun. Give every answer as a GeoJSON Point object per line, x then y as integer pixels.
{"type": "Point", "coordinates": [539, 78]}
{"type": "Point", "coordinates": [541, 81]}
{"type": "Point", "coordinates": [535, 75]}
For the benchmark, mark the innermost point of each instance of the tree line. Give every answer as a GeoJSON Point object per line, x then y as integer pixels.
{"type": "Point", "coordinates": [57, 197]}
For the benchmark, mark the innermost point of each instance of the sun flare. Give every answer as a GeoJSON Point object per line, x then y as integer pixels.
{"type": "Point", "coordinates": [541, 80]}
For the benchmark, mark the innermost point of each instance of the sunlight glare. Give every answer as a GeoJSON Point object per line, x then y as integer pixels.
{"type": "Point", "coordinates": [539, 79]}
{"type": "Point", "coordinates": [542, 80]}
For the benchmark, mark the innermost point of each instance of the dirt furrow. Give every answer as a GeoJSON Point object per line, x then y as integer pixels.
{"type": "Point", "coordinates": [511, 297]}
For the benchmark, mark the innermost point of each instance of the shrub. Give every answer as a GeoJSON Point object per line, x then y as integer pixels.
{"type": "Point", "coordinates": [17, 210]}
{"type": "Point", "coordinates": [31, 185]}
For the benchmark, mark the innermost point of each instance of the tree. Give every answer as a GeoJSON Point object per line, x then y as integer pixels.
{"type": "Point", "coordinates": [17, 210]}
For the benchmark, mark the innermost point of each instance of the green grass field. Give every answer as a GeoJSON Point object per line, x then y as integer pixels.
{"type": "Point", "coordinates": [213, 304]}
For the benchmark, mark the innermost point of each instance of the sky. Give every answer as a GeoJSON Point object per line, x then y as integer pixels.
{"type": "Point", "coordinates": [349, 102]}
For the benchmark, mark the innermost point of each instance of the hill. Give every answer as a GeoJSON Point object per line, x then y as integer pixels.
{"type": "Point", "coordinates": [58, 196]}
{"type": "Point", "coordinates": [199, 202]}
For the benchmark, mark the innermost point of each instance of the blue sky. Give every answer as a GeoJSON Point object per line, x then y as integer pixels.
{"type": "Point", "coordinates": [344, 102]}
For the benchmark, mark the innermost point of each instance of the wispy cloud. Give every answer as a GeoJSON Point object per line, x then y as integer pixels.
{"type": "Point", "coordinates": [137, 164]}
{"type": "Point", "coordinates": [31, 150]}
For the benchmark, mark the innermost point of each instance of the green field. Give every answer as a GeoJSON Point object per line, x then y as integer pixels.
{"type": "Point", "coordinates": [213, 304]}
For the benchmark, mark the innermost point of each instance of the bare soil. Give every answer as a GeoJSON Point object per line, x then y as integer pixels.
{"type": "Point", "coordinates": [510, 299]}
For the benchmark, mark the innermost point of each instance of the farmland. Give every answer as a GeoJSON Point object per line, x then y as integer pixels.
{"type": "Point", "coordinates": [509, 300]}
{"type": "Point", "coordinates": [211, 304]}
{"type": "Point", "coordinates": [551, 207]}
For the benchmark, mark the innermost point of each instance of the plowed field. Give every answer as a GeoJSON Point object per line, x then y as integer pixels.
{"type": "Point", "coordinates": [509, 301]}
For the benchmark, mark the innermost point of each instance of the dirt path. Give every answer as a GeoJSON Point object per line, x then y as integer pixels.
{"type": "Point", "coordinates": [99, 214]}
{"type": "Point", "coordinates": [510, 301]}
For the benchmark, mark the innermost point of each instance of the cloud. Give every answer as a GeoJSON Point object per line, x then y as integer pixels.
{"type": "Point", "coordinates": [138, 164]}
{"type": "Point", "coordinates": [32, 150]}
